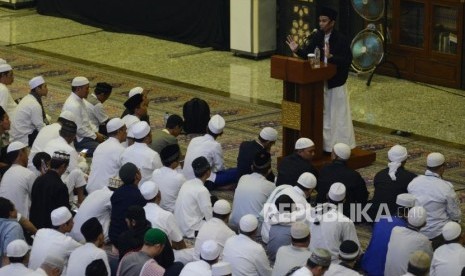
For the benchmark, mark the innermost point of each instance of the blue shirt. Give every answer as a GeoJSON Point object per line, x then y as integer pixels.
{"type": "Point", "coordinates": [374, 259]}
{"type": "Point", "coordinates": [10, 230]}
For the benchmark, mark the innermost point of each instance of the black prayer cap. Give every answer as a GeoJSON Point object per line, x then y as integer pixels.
{"type": "Point", "coordinates": [128, 172]}
{"type": "Point", "coordinates": [103, 88]}
{"type": "Point", "coordinates": [136, 213]}
{"type": "Point", "coordinates": [91, 229]}
{"type": "Point", "coordinates": [170, 153]}
{"type": "Point", "coordinates": [330, 13]}
{"type": "Point", "coordinates": [2, 112]}
{"type": "Point", "coordinates": [200, 164]}
{"type": "Point", "coordinates": [69, 126]}
{"type": "Point", "coordinates": [262, 160]}
{"type": "Point", "coordinates": [96, 268]}
{"type": "Point", "coordinates": [133, 102]}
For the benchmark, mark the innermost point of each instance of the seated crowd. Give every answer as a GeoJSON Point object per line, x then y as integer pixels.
{"type": "Point", "coordinates": [143, 207]}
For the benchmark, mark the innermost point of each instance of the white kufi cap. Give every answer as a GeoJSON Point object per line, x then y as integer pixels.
{"type": "Point", "coordinates": [79, 81]}
{"type": "Point", "coordinates": [210, 250]}
{"type": "Point", "coordinates": [68, 115]}
{"type": "Point", "coordinates": [17, 249]}
{"type": "Point", "coordinates": [114, 124]}
{"type": "Point", "coordinates": [397, 153]}
{"type": "Point", "coordinates": [221, 269]}
{"type": "Point", "coordinates": [269, 134]}
{"type": "Point", "coordinates": [14, 146]}
{"type": "Point", "coordinates": [5, 67]}
{"type": "Point", "coordinates": [303, 143]}
{"type": "Point", "coordinates": [342, 150]}
{"type": "Point", "coordinates": [417, 216]}
{"type": "Point", "coordinates": [2, 61]}
{"type": "Point", "coordinates": [36, 81]}
{"type": "Point", "coordinates": [140, 129]}
{"type": "Point", "coordinates": [337, 192]}
{"type": "Point", "coordinates": [248, 223]}
{"type": "Point", "coordinates": [405, 200]}
{"type": "Point", "coordinates": [60, 216]}
{"type": "Point", "coordinates": [216, 124]}
{"type": "Point", "coordinates": [435, 159]}
{"type": "Point", "coordinates": [135, 90]}
{"type": "Point", "coordinates": [149, 190]}
{"type": "Point", "coordinates": [307, 180]}
{"type": "Point", "coordinates": [299, 230]}
{"type": "Point", "coordinates": [420, 259]}
{"type": "Point", "coordinates": [222, 207]}
{"type": "Point", "coordinates": [451, 230]}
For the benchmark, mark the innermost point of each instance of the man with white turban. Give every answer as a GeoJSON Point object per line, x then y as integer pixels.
{"type": "Point", "coordinates": [391, 181]}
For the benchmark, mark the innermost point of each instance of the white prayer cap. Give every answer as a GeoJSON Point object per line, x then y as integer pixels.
{"type": "Point", "coordinates": [79, 81]}
{"type": "Point", "coordinates": [221, 269]}
{"type": "Point", "coordinates": [135, 90]}
{"type": "Point", "coordinates": [130, 120]}
{"type": "Point", "coordinates": [451, 230]}
{"type": "Point", "coordinates": [14, 146]}
{"type": "Point", "coordinates": [222, 207]}
{"type": "Point", "coordinates": [405, 200]}
{"type": "Point", "coordinates": [36, 81]}
{"type": "Point", "coordinates": [114, 124]}
{"type": "Point", "coordinates": [140, 129]}
{"type": "Point", "coordinates": [342, 150]}
{"type": "Point", "coordinates": [299, 230]}
{"type": "Point", "coordinates": [60, 216]}
{"type": "Point", "coordinates": [307, 180]}
{"type": "Point", "coordinates": [216, 124]}
{"type": "Point", "coordinates": [210, 250]}
{"type": "Point", "coordinates": [5, 67]}
{"type": "Point", "coordinates": [417, 216]}
{"type": "Point", "coordinates": [269, 134]}
{"type": "Point", "coordinates": [17, 249]}
{"type": "Point", "coordinates": [303, 143]}
{"type": "Point", "coordinates": [420, 259]}
{"type": "Point", "coordinates": [435, 159]}
{"type": "Point", "coordinates": [68, 115]}
{"type": "Point", "coordinates": [337, 192]}
{"type": "Point", "coordinates": [397, 153]}
{"type": "Point", "coordinates": [149, 190]}
{"type": "Point", "coordinates": [248, 223]}
{"type": "Point", "coordinates": [55, 261]}
{"type": "Point", "coordinates": [2, 61]}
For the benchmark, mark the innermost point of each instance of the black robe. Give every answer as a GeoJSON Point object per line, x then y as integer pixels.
{"type": "Point", "coordinates": [291, 167]}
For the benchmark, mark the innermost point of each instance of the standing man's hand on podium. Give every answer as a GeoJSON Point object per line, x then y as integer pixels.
{"type": "Point", "coordinates": [292, 44]}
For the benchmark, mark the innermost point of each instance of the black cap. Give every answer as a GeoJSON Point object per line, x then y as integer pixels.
{"type": "Point", "coordinates": [330, 13]}
{"type": "Point", "coordinates": [2, 112]}
{"type": "Point", "coordinates": [103, 88]}
{"type": "Point", "coordinates": [128, 172]}
{"type": "Point", "coordinates": [170, 153]}
{"type": "Point", "coordinates": [262, 160]}
{"type": "Point", "coordinates": [96, 268]}
{"type": "Point", "coordinates": [133, 102]}
{"type": "Point", "coordinates": [136, 213]}
{"type": "Point", "coordinates": [91, 229]}
{"type": "Point", "coordinates": [69, 126]}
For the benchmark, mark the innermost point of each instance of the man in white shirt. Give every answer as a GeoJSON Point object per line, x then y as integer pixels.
{"type": "Point", "coordinates": [208, 147]}
{"type": "Point", "coordinates": [317, 264]}
{"type": "Point", "coordinates": [193, 206]}
{"type": "Point", "coordinates": [30, 115]}
{"type": "Point", "coordinates": [6, 78]}
{"type": "Point", "coordinates": [17, 252]}
{"type": "Point", "coordinates": [140, 154]}
{"type": "Point", "coordinates": [349, 253]}
{"type": "Point", "coordinates": [296, 254]}
{"type": "Point", "coordinates": [216, 228]}
{"type": "Point", "coordinates": [168, 178]}
{"type": "Point", "coordinates": [54, 240]}
{"type": "Point", "coordinates": [94, 105]}
{"type": "Point", "coordinates": [160, 218]}
{"type": "Point", "coordinates": [253, 189]}
{"type": "Point", "coordinates": [16, 184]}
{"type": "Point", "coordinates": [246, 256]}
{"type": "Point", "coordinates": [406, 240]}
{"type": "Point", "coordinates": [87, 135]}
{"type": "Point", "coordinates": [449, 259]}
{"type": "Point", "coordinates": [209, 254]}
{"type": "Point", "coordinates": [92, 250]}
{"type": "Point", "coordinates": [107, 156]}
{"type": "Point", "coordinates": [437, 196]}
{"type": "Point", "coordinates": [329, 227]}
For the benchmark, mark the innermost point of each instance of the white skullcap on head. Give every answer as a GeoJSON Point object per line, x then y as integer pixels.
{"type": "Point", "coordinates": [68, 115]}
{"type": "Point", "coordinates": [435, 159]}
{"type": "Point", "coordinates": [342, 150]}
{"type": "Point", "coordinates": [248, 223]}
{"type": "Point", "coordinates": [5, 67]}
{"type": "Point", "coordinates": [114, 124]}
{"type": "Point", "coordinates": [222, 207]}
{"type": "Point", "coordinates": [221, 269]}
{"type": "Point", "coordinates": [337, 192]}
{"type": "Point", "coordinates": [17, 249]}
{"type": "Point", "coordinates": [307, 180]}
{"type": "Point", "coordinates": [2, 61]}
{"type": "Point", "coordinates": [60, 216]}
{"type": "Point", "coordinates": [451, 230]}
{"type": "Point", "coordinates": [417, 216]}
{"type": "Point", "coordinates": [216, 124]}
{"type": "Point", "coordinates": [36, 81]}
{"type": "Point", "coordinates": [299, 230]}
{"type": "Point", "coordinates": [14, 146]}
{"type": "Point", "coordinates": [303, 143]}
{"type": "Point", "coordinates": [149, 190]}
{"type": "Point", "coordinates": [140, 129]}
{"type": "Point", "coordinates": [405, 200]}
{"type": "Point", "coordinates": [135, 90]}
{"type": "Point", "coordinates": [79, 81]}
{"type": "Point", "coordinates": [420, 259]}
{"type": "Point", "coordinates": [130, 120]}
{"type": "Point", "coordinates": [55, 261]}
{"type": "Point", "coordinates": [397, 154]}
{"type": "Point", "coordinates": [269, 134]}
{"type": "Point", "coordinates": [210, 250]}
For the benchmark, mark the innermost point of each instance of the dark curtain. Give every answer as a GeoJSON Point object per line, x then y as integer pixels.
{"type": "Point", "coordinates": [203, 23]}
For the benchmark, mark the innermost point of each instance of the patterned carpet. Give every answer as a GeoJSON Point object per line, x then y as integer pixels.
{"type": "Point", "coordinates": [243, 119]}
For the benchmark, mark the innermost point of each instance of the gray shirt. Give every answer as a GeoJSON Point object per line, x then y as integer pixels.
{"type": "Point", "coordinates": [280, 235]}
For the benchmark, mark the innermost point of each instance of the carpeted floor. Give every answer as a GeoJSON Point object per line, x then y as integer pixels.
{"type": "Point", "coordinates": [243, 119]}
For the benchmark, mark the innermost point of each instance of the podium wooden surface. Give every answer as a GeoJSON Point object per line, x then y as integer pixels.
{"type": "Point", "coordinates": [302, 107]}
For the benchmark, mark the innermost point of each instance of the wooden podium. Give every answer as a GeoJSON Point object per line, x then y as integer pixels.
{"type": "Point", "coordinates": [302, 107]}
